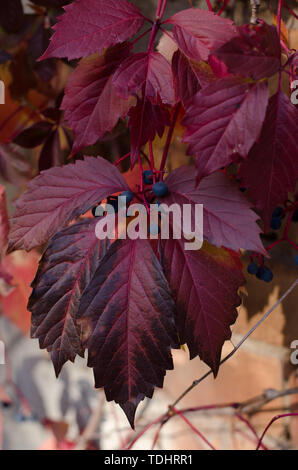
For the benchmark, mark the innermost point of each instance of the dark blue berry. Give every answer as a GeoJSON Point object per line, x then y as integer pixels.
{"type": "Point", "coordinates": [295, 216]}
{"type": "Point", "coordinates": [160, 189]}
{"type": "Point", "coordinates": [148, 177]}
{"type": "Point", "coordinates": [260, 272]}
{"type": "Point", "coordinates": [252, 268]}
{"type": "Point", "coordinates": [128, 195]}
{"type": "Point", "coordinates": [275, 223]}
{"type": "Point", "coordinates": [296, 260]}
{"type": "Point", "coordinates": [277, 212]}
{"type": "Point", "coordinates": [267, 275]}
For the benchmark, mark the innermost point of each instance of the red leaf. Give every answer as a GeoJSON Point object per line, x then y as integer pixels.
{"type": "Point", "coordinates": [127, 317]}
{"type": "Point", "coordinates": [92, 108]}
{"type": "Point", "coordinates": [198, 32]}
{"type": "Point", "coordinates": [145, 120]}
{"type": "Point", "coordinates": [149, 70]}
{"type": "Point", "coordinates": [4, 225]}
{"type": "Point", "coordinates": [65, 270]}
{"type": "Point", "coordinates": [186, 80]}
{"type": "Point", "coordinates": [254, 53]}
{"type": "Point", "coordinates": [205, 285]}
{"type": "Point", "coordinates": [89, 26]}
{"type": "Point", "coordinates": [224, 121]}
{"type": "Point", "coordinates": [228, 219]}
{"type": "Point", "coordinates": [271, 169]}
{"type": "Point", "coordinates": [59, 195]}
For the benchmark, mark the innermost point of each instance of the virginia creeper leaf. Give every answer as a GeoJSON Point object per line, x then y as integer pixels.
{"type": "Point", "coordinates": [65, 270]}
{"type": "Point", "coordinates": [186, 81]}
{"type": "Point", "coordinates": [11, 15]}
{"type": "Point", "coordinates": [34, 135]}
{"type": "Point", "coordinates": [127, 318]}
{"type": "Point", "coordinates": [205, 287]}
{"type": "Point", "coordinates": [51, 153]}
{"type": "Point", "coordinates": [228, 219]}
{"type": "Point", "coordinates": [89, 26]}
{"type": "Point", "coordinates": [224, 120]}
{"type": "Point", "coordinates": [145, 120]}
{"type": "Point", "coordinates": [198, 32]}
{"type": "Point", "coordinates": [254, 53]}
{"type": "Point", "coordinates": [145, 69]}
{"type": "Point", "coordinates": [59, 195]}
{"type": "Point", "coordinates": [271, 169]}
{"type": "Point", "coordinates": [92, 107]}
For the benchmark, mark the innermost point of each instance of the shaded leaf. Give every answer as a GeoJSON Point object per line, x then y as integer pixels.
{"type": "Point", "coordinates": [150, 71]}
{"type": "Point", "coordinates": [92, 107]}
{"type": "Point", "coordinates": [186, 81]}
{"type": "Point", "coordinates": [198, 32]}
{"type": "Point", "coordinates": [65, 270]}
{"type": "Point", "coordinates": [145, 120]}
{"type": "Point", "coordinates": [89, 26]}
{"type": "Point", "coordinates": [271, 169]}
{"type": "Point", "coordinates": [59, 195]}
{"type": "Point", "coordinates": [51, 153]}
{"type": "Point", "coordinates": [11, 15]}
{"type": "Point", "coordinates": [254, 53]}
{"type": "Point", "coordinates": [224, 120]}
{"type": "Point", "coordinates": [228, 219]}
{"type": "Point", "coordinates": [127, 317]}
{"type": "Point", "coordinates": [205, 287]}
{"type": "Point", "coordinates": [34, 135]}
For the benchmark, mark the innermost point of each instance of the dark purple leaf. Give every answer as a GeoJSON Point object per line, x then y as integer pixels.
{"type": "Point", "coordinates": [205, 286]}
{"type": "Point", "coordinates": [145, 120]}
{"type": "Point", "coordinates": [254, 53]}
{"type": "Point", "coordinates": [34, 135]}
{"type": "Point", "coordinates": [127, 319]}
{"type": "Point", "coordinates": [64, 272]}
{"type": "Point", "coordinates": [186, 80]}
{"type": "Point", "coordinates": [223, 121]}
{"type": "Point", "coordinates": [92, 107]}
{"type": "Point", "coordinates": [59, 195]}
{"type": "Point", "coordinates": [11, 15]}
{"type": "Point", "coordinates": [271, 169]}
{"type": "Point", "coordinates": [228, 219]}
{"type": "Point", "coordinates": [89, 26]}
{"type": "Point", "coordinates": [51, 153]}
{"type": "Point", "coordinates": [198, 32]}
{"type": "Point", "coordinates": [148, 71]}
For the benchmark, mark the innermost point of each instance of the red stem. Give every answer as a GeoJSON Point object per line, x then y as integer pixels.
{"type": "Point", "coordinates": [169, 138]}
{"type": "Point", "coordinates": [270, 424]}
{"type": "Point", "coordinates": [193, 428]}
{"type": "Point", "coordinates": [209, 5]}
{"type": "Point", "coordinates": [290, 10]}
{"type": "Point", "coordinates": [223, 7]}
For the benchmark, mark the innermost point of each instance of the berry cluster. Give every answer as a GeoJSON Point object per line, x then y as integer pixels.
{"type": "Point", "coordinates": [261, 272]}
